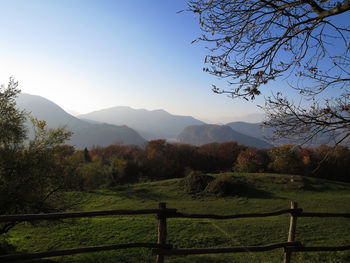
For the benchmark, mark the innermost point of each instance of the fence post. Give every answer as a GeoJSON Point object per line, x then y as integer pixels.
{"type": "Point", "coordinates": [161, 230]}
{"type": "Point", "coordinates": [292, 231]}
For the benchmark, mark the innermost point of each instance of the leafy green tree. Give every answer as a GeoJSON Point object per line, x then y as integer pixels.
{"type": "Point", "coordinates": [32, 172]}
{"type": "Point", "coordinates": [12, 129]}
{"type": "Point", "coordinates": [286, 159]}
{"type": "Point", "coordinates": [93, 174]}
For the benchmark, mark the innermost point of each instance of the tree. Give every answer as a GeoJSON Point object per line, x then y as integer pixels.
{"type": "Point", "coordinates": [163, 160]}
{"type": "Point", "coordinates": [87, 157]}
{"type": "Point", "coordinates": [334, 163]}
{"type": "Point", "coordinates": [252, 160]}
{"type": "Point", "coordinates": [286, 159]}
{"type": "Point", "coordinates": [32, 171]}
{"type": "Point", "coordinates": [251, 43]}
{"type": "Point", "coordinates": [12, 128]}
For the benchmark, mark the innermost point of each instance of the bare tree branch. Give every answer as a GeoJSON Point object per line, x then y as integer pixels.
{"type": "Point", "coordinates": [252, 43]}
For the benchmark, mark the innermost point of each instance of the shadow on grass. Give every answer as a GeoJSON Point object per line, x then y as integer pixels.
{"type": "Point", "coordinates": [303, 183]}
{"type": "Point", "coordinates": [129, 192]}
{"type": "Point", "coordinates": [141, 194]}
{"type": "Point", "coordinates": [40, 261]}
{"type": "Point", "coordinates": [246, 190]}
{"type": "Point", "coordinates": [201, 259]}
{"type": "Point", "coordinates": [227, 188]}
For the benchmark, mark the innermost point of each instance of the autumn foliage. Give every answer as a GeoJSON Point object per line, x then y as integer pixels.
{"type": "Point", "coordinates": [121, 164]}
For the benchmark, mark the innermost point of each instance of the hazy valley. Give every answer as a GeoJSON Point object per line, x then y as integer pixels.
{"type": "Point", "coordinates": [136, 126]}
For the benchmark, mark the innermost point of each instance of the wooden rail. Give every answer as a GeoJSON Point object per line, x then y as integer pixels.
{"type": "Point", "coordinates": [161, 249]}
{"type": "Point", "coordinates": [251, 215]}
{"type": "Point", "coordinates": [65, 252]}
{"type": "Point", "coordinates": [196, 251]}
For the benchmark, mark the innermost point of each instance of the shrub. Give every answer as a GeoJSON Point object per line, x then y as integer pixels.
{"type": "Point", "coordinates": [196, 182]}
{"type": "Point", "coordinates": [223, 186]}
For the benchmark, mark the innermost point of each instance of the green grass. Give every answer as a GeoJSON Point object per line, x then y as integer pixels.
{"type": "Point", "coordinates": [266, 192]}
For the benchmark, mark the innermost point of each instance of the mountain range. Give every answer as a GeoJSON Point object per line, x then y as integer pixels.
{"type": "Point", "coordinates": [155, 124]}
{"type": "Point", "coordinates": [208, 133]}
{"type": "Point", "coordinates": [256, 130]}
{"type": "Point", "coordinates": [85, 134]}
{"type": "Point", "coordinates": [136, 126]}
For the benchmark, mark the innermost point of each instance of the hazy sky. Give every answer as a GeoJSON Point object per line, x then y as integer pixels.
{"type": "Point", "coordinates": [87, 55]}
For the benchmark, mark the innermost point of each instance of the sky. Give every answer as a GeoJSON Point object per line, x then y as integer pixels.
{"type": "Point", "coordinates": [88, 55]}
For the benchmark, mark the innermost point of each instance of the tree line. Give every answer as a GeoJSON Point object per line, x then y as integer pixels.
{"type": "Point", "coordinates": [120, 164]}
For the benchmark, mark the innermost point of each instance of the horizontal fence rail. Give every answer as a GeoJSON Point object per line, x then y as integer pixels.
{"type": "Point", "coordinates": [65, 252]}
{"type": "Point", "coordinates": [196, 251]}
{"type": "Point", "coordinates": [250, 215]}
{"type": "Point", "coordinates": [168, 212]}
{"type": "Point", "coordinates": [161, 249]}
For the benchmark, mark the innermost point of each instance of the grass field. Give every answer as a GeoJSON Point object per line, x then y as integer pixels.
{"type": "Point", "coordinates": [266, 192]}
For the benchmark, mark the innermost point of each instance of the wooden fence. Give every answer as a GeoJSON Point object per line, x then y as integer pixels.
{"type": "Point", "coordinates": [162, 249]}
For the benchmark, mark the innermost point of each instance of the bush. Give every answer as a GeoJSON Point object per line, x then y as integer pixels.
{"type": "Point", "coordinates": [223, 186]}
{"type": "Point", "coordinates": [196, 182]}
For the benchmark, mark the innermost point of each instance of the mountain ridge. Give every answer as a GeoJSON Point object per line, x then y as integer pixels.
{"type": "Point", "coordinates": [208, 133]}
{"type": "Point", "coordinates": [151, 124]}
{"type": "Point", "coordinates": [100, 128]}
{"type": "Point", "coordinates": [85, 134]}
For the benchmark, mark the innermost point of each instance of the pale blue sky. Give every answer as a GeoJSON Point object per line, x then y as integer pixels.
{"type": "Point", "coordinates": [87, 55]}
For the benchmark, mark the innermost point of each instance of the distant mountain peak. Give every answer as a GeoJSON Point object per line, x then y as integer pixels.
{"type": "Point", "coordinates": [85, 134]}
{"type": "Point", "coordinates": [208, 133]}
{"type": "Point", "coordinates": [151, 124]}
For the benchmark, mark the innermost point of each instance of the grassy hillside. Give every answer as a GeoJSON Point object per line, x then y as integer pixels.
{"type": "Point", "coordinates": [266, 192]}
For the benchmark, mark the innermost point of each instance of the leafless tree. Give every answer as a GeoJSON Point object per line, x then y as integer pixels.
{"type": "Point", "coordinates": [251, 43]}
